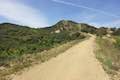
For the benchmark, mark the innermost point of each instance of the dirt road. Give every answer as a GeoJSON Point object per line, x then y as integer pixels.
{"type": "Point", "coordinates": [77, 63]}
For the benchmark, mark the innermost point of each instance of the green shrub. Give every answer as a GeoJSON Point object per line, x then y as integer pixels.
{"type": "Point", "coordinates": [16, 40]}
{"type": "Point", "coordinates": [117, 42]}
{"type": "Point", "coordinates": [101, 31]}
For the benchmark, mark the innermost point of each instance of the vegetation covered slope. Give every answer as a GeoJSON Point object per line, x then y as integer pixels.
{"type": "Point", "coordinates": [108, 52]}
{"type": "Point", "coordinates": [16, 40]}
{"type": "Point", "coordinates": [88, 28]}
{"type": "Point", "coordinates": [66, 25]}
{"type": "Point", "coordinates": [109, 55]}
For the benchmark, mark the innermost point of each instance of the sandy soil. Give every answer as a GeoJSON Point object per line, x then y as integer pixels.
{"type": "Point", "coordinates": [77, 63]}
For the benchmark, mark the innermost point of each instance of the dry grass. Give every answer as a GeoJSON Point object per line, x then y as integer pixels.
{"type": "Point", "coordinates": [109, 56]}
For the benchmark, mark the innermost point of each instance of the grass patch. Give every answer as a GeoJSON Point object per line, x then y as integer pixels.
{"type": "Point", "coordinates": [117, 44]}
{"type": "Point", "coordinates": [109, 55]}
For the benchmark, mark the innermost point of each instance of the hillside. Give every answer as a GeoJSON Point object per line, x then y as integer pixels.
{"type": "Point", "coordinates": [69, 25]}
{"type": "Point", "coordinates": [16, 40]}
{"type": "Point", "coordinates": [66, 25]}
{"type": "Point", "coordinates": [20, 46]}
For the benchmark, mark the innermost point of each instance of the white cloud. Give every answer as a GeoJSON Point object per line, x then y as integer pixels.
{"type": "Point", "coordinates": [85, 7]}
{"type": "Point", "coordinates": [22, 14]}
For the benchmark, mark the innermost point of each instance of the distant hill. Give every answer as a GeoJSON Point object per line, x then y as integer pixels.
{"type": "Point", "coordinates": [68, 25]}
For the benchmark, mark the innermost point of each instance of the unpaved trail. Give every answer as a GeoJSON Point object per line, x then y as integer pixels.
{"type": "Point", "coordinates": [77, 63]}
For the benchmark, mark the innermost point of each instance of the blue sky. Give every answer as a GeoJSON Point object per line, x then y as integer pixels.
{"type": "Point", "coordinates": [40, 13]}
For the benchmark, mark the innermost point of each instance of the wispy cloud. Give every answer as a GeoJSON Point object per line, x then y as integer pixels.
{"type": "Point", "coordinates": [85, 7]}
{"type": "Point", "coordinates": [90, 17]}
{"type": "Point", "coordinates": [116, 22]}
{"type": "Point", "coordinates": [21, 13]}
